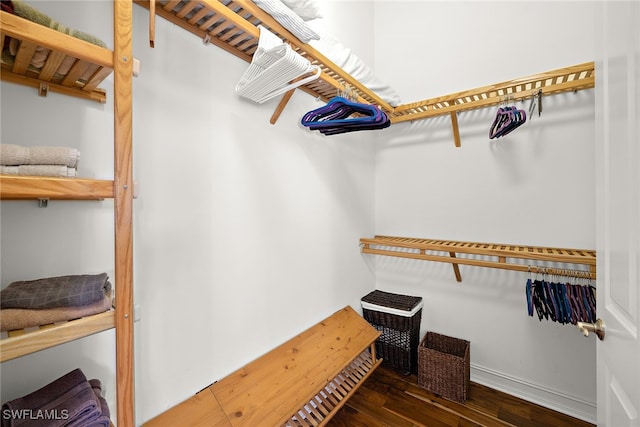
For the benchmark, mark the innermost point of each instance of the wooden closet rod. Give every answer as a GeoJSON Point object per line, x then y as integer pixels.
{"type": "Point", "coordinates": [491, 255]}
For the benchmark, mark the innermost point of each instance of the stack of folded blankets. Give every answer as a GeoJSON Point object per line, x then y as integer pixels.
{"type": "Point", "coordinates": [38, 302]}
{"type": "Point", "coordinates": [71, 400]}
{"type": "Point", "coordinates": [39, 161]}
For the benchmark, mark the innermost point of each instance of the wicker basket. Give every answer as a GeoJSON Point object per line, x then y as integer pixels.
{"type": "Point", "coordinates": [444, 366]}
{"type": "Point", "coordinates": [397, 317]}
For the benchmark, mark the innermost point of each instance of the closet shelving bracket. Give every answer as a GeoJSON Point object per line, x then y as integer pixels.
{"type": "Point", "coordinates": [503, 256]}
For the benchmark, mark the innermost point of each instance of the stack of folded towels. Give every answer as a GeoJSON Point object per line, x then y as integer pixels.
{"type": "Point", "coordinates": [39, 161]}
{"type": "Point", "coordinates": [38, 302]}
{"type": "Point", "coordinates": [71, 400]}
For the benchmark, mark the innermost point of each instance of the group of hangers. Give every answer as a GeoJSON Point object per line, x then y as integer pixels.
{"type": "Point", "coordinates": [509, 118]}
{"type": "Point", "coordinates": [341, 115]}
{"type": "Point", "coordinates": [275, 69]}
{"type": "Point", "coordinates": [561, 302]}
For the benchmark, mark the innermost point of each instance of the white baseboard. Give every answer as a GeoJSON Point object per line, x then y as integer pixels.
{"type": "Point", "coordinates": [552, 399]}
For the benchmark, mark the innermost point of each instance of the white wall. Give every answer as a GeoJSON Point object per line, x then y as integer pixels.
{"type": "Point", "coordinates": [245, 233]}
{"type": "Point", "coordinates": [534, 187]}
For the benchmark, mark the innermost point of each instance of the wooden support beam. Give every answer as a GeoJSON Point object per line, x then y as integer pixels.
{"type": "Point", "coordinates": [280, 108]}
{"type": "Point", "coordinates": [456, 130]}
{"type": "Point", "coordinates": [152, 23]}
{"type": "Point", "coordinates": [456, 268]}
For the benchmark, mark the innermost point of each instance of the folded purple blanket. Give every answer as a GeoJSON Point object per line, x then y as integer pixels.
{"type": "Point", "coordinates": [62, 291]}
{"type": "Point", "coordinates": [104, 420]}
{"type": "Point", "coordinates": [68, 401]}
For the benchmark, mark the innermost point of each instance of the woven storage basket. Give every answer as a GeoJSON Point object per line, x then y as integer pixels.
{"type": "Point", "coordinates": [444, 366]}
{"type": "Point", "coordinates": [397, 317]}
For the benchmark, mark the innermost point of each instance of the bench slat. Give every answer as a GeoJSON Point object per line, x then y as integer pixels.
{"type": "Point", "coordinates": [265, 391]}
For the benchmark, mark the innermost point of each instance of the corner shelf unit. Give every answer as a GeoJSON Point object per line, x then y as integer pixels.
{"type": "Point", "coordinates": [99, 63]}
{"type": "Point", "coordinates": [233, 27]}
{"type": "Point", "coordinates": [491, 255]}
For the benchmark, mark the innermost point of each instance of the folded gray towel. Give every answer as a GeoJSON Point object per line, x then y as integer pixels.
{"type": "Point", "coordinates": [40, 170]}
{"type": "Point", "coordinates": [16, 155]}
{"type": "Point", "coordinates": [62, 291]}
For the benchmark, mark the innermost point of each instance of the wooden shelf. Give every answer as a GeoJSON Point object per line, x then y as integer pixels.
{"type": "Point", "coordinates": [91, 65]}
{"type": "Point", "coordinates": [568, 79]}
{"type": "Point", "coordinates": [492, 255]}
{"type": "Point", "coordinates": [23, 342]}
{"type": "Point", "coordinates": [14, 187]}
{"type": "Point", "coordinates": [233, 27]}
{"type": "Point", "coordinates": [90, 59]}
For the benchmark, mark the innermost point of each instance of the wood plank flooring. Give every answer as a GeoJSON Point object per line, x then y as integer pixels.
{"type": "Point", "coordinates": [388, 398]}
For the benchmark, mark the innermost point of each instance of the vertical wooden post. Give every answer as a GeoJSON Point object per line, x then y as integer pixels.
{"type": "Point", "coordinates": [123, 201]}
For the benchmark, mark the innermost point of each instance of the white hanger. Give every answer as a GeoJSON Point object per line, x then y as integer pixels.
{"type": "Point", "coordinates": [273, 66]}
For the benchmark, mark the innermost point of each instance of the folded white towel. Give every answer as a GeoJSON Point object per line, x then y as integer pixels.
{"type": "Point", "coordinates": [16, 155]}
{"type": "Point", "coordinates": [40, 170]}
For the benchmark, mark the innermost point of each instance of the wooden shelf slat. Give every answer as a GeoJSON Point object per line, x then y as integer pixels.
{"type": "Point", "coordinates": [26, 342]}
{"type": "Point", "coordinates": [15, 187]}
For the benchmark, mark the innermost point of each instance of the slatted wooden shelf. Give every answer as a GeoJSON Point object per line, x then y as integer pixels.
{"type": "Point", "coordinates": [492, 255]}
{"type": "Point", "coordinates": [233, 27]}
{"type": "Point", "coordinates": [23, 342]}
{"type": "Point", "coordinates": [568, 79]}
{"type": "Point", "coordinates": [91, 59]}
{"type": "Point", "coordinates": [37, 187]}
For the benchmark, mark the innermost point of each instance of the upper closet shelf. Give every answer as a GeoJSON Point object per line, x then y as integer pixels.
{"type": "Point", "coordinates": [89, 64]}
{"type": "Point", "coordinates": [233, 27]}
{"type": "Point", "coordinates": [568, 79]}
{"type": "Point", "coordinates": [540, 259]}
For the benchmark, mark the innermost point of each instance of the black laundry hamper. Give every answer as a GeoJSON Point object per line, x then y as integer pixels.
{"type": "Point", "coordinates": [398, 318]}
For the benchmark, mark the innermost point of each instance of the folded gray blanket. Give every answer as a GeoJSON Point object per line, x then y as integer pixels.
{"type": "Point", "coordinates": [69, 401]}
{"type": "Point", "coordinates": [16, 155]}
{"type": "Point", "coordinates": [62, 291]}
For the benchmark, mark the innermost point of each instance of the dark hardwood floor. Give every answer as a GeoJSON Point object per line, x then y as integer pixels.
{"type": "Point", "coordinates": [388, 398]}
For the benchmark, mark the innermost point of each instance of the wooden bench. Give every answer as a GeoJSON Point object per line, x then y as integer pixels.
{"type": "Point", "coordinates": [302, 382]}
